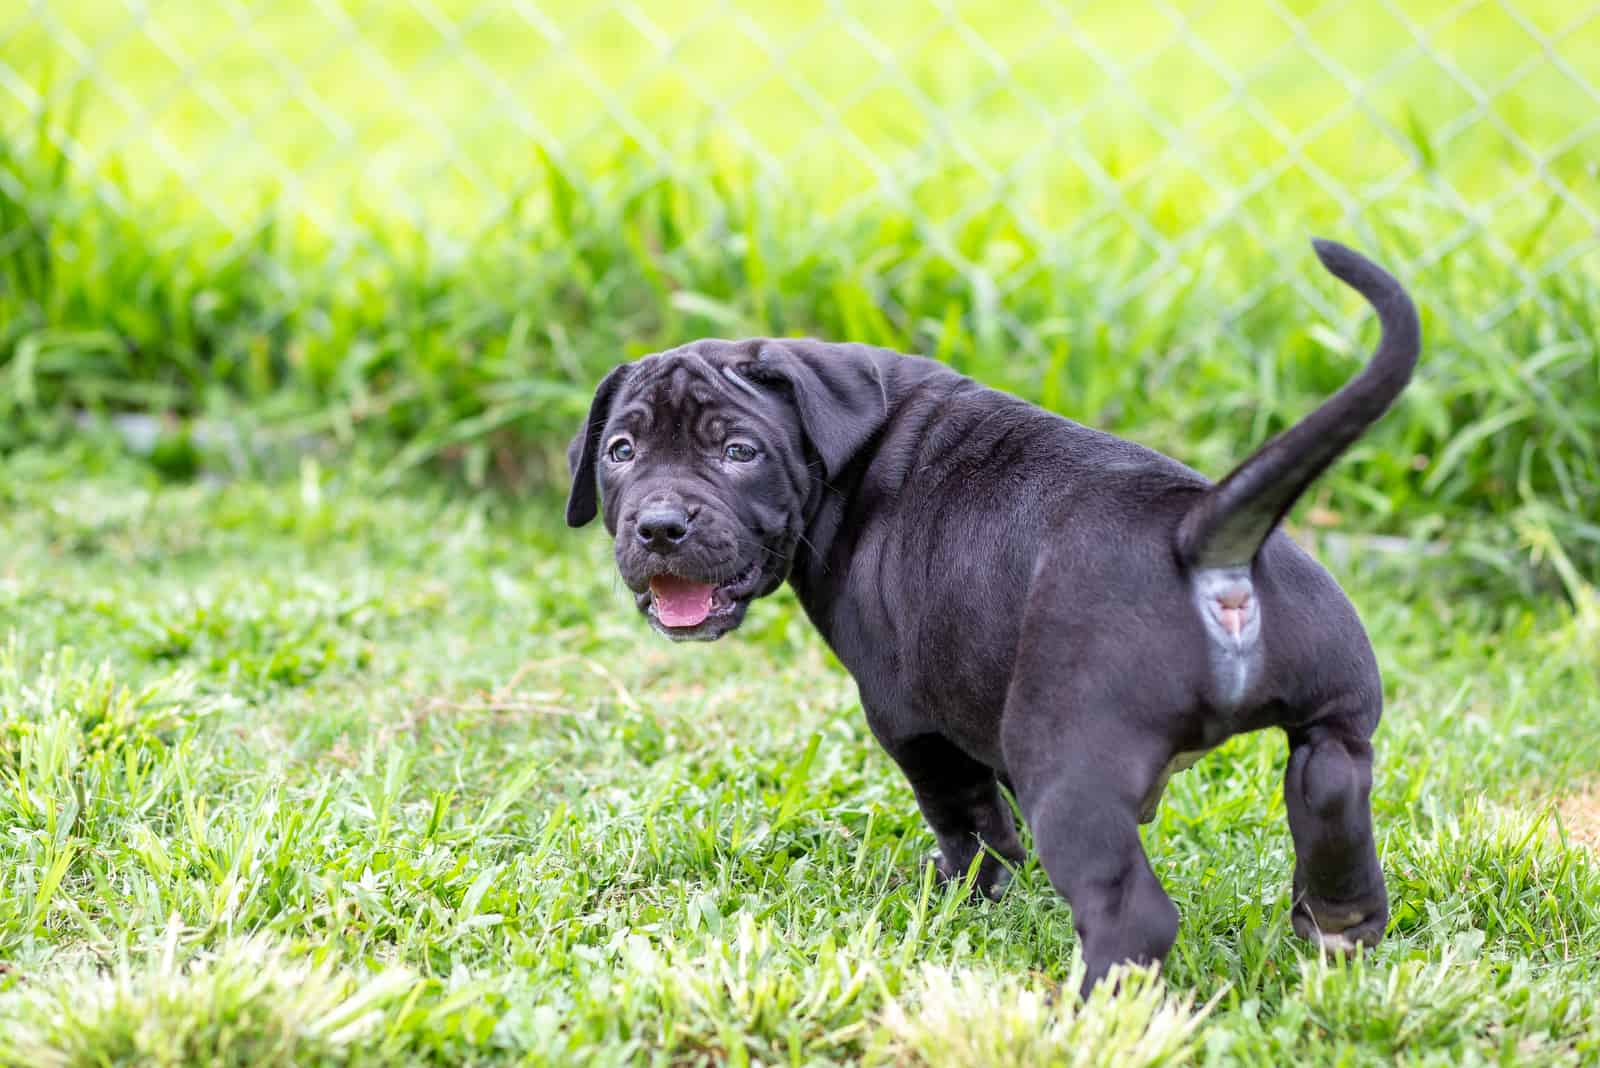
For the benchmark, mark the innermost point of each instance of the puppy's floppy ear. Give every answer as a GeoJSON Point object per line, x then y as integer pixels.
{"type": "Point", "coordinates": [838, 391]}
{"type": "Point", "coordinates": [585, 448]}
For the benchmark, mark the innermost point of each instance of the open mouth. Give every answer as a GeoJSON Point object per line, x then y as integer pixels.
{"type": "Point", "coordinates": [685, 608]}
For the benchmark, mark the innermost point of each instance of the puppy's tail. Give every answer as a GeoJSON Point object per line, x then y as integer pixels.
{"type": "Point", "coordinates": [1226, 526]}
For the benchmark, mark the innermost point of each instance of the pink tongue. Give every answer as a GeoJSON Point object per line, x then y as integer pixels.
{"type": "Point", "coordinates": [679, 602]}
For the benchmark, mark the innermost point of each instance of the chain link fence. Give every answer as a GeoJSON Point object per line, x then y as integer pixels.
{"type": "Point", "coordinates": [1473, 129]}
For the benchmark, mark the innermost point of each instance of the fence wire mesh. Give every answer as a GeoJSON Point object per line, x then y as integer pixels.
{"type": "Point", "coordinates": [1472, 127]}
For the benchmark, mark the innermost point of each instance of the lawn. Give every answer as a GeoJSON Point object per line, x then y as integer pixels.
{"type": "Point", "coordinates": [302, 770]}
{"type": "Point", "coordinates": [323, 741]}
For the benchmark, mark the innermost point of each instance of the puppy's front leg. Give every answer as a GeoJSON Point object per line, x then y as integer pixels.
{"type": "Point", "coordinates": [1339, 898]}
{"type": "Point", "coordinates": [961, 801]}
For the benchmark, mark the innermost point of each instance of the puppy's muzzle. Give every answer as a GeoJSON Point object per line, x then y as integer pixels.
{"type": "Point", "coordinates": [662, 528]}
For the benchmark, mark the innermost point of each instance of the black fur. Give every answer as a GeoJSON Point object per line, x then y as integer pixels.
{"type": "Point", "coordinates": [1024, 600]}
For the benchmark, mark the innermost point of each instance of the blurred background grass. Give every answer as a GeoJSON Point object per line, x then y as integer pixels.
{"type": "Point", "coordinates": [423, 229]}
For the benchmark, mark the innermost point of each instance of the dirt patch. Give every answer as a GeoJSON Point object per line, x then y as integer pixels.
{"type": "Point", "coordinates": [1580, 815]}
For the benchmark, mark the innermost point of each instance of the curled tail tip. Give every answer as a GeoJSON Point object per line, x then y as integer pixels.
{"type": "Point", "coordinates": [1342, 261]}
{"type": "Point", "coordinates": [1325, 248]}
{"type": "Point", "coordinates": [1398, 313]}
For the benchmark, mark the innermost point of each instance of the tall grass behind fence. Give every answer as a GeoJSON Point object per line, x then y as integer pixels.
{"type": "Point", "coordinates": [433, 222]}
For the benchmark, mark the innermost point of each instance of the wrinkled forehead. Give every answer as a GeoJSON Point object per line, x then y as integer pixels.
{"type": "Point", "coordinates": [691, 389]}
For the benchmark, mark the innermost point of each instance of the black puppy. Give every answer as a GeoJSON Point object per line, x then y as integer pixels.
{"type": "Point", "coordinates": [1021, 599]}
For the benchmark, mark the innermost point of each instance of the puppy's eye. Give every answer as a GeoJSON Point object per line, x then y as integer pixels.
{"type": "Point", "coordinates": [740, 453]}
{"type": "Point", "coordinates": [621, 451]}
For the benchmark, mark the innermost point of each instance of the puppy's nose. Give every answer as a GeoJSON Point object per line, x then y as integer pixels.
{"type": "Point", "coordinates": [662, 527]}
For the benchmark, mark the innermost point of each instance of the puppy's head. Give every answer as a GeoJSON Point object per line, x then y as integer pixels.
{"type": "Point", "coordinates": [708, 459]}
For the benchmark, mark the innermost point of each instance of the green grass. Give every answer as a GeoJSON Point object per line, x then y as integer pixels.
{"type": "Point", "coordinates": [304, 771]}
{"type": "Point", "coordinates": [432, 240]}
{"type": "Point", "coordinates": [309, 755]}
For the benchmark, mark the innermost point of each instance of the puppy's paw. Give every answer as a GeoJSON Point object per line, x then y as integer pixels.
{"type": "Point", "coordinates": [993, 875]}
{"type": "Point", "coordinates": [993, 879]}
{"type": "Point", "coordinates": [1340, 928]}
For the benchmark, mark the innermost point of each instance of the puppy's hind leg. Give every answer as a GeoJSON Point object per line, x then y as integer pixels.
{"type": "Point", "coordinates": [961, 801]}
{"type": "Point", "coordinates": [1340, 901]}
{"type": "Point", "coordinates": [1082, 798]}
